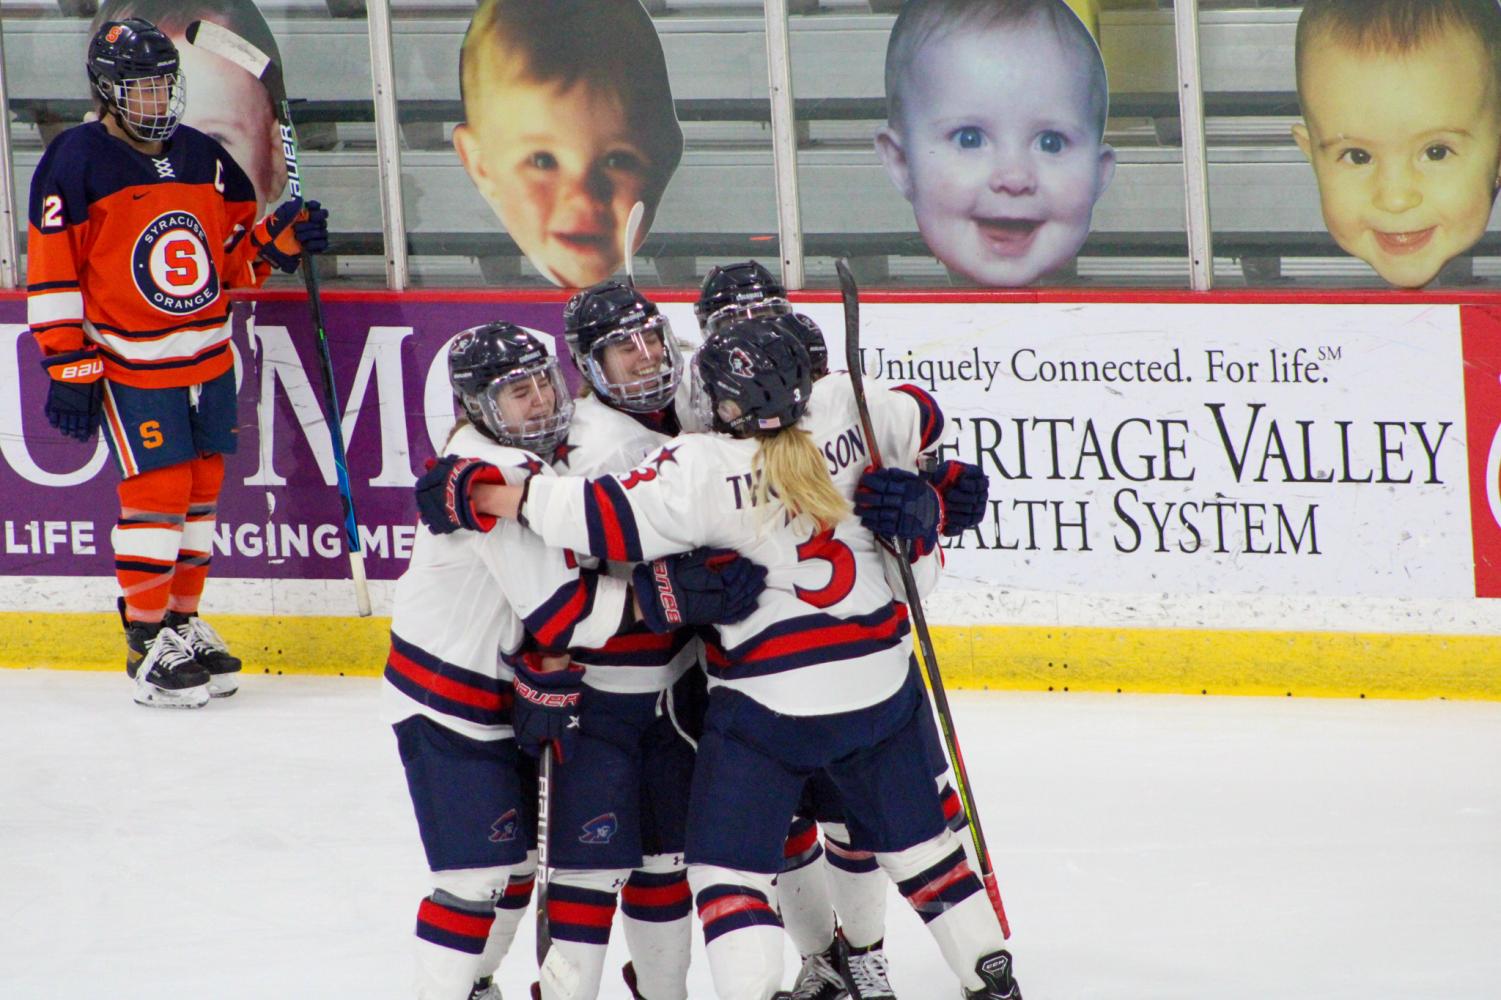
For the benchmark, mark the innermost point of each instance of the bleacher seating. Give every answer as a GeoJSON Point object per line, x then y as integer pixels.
{"type": "Point", "coordinates": [1264, 202]}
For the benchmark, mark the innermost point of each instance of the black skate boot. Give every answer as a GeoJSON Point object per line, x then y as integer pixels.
{"type": "Point", "coordinates": [995, 969]}
{"type": "Point", "coordinates": [865, 972]}
{"type": "Point", "coordinates": [484, 989]}
{"type": "Point", "coordinates": [163, 667]}
{"type": "Point", "coordinates": [822, 975]}
{"type": "Point", "coordinates": [209, 650]}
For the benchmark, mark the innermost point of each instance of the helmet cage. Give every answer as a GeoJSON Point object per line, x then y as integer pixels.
{"type": "Point", "coordinates": [768, 308]}
{"type": "Point", "coordinates": [540, 435]}
{"type": "Point", "coordinates": [644, 395]}
{"type": "Point", "coordinates": [129, 100]}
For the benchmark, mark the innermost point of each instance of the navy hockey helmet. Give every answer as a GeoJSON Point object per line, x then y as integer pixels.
{"type": "Point", "coordinates": [804, 329]}
{"type": "Point", "coordinates": [738, 291]}
{"type": "Point", "coordinates": [752, 377]}
{"type": "Point", "coordinates": [623, 346]}
{"type": "Point", "coordinates": [133, 68]}
{"type": "Point", "coordinates": [510, 386]}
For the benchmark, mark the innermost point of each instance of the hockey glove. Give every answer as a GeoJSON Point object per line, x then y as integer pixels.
{"type": "Point", "coordinates": [443, 499]}
{"type": "Point", "coordinates": [282, 237]}
{"type": "Point", "coordinates": [546, 709]}
{"type": "Point", "coordinates": [895, 503]}
{"type": "Point", "coordinates": [965, 490]}
{"type": "Point", "coordinates": [702, 587]}
{"type": "Point", "coordinates": [75, 396]}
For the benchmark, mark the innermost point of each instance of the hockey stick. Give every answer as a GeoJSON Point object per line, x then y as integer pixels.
{"type": "Point", "coordinates": [632, 225]}
{"type": "Point", "coordinates": [544, 871]}
{"type": "Point", "coordinates": [850, 295]}
{"type": "Point", "coordinates": [228, 45]}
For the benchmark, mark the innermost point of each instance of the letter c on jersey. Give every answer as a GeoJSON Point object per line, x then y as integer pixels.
{"type": "Point", "coordinates": [172, 267]}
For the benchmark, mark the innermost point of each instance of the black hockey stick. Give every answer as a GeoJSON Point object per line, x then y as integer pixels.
{"type": "Point", "coordinates": [228, 45]}
{"type": "Point", "coordinates": [850, 295]}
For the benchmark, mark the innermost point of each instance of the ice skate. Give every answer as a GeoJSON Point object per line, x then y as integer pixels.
{"type": "Point", "coordinates": [163, 668]}
{"type": "Point", "coordinates": [995, 969]}
{"type": "Point", "coordinates": [821, 977]}
{"type": "Point", "coordinates": [865, 973]}
{"type": "Point", "coordinates": [209, 650]}
{"type": "Point", "coordinates": [483, 989]}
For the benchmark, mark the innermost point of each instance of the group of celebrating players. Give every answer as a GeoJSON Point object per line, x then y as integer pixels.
{"type": "Point", "coordinates": [679, 592]}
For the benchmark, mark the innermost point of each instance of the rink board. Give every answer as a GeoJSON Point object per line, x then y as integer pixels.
{"type": "Point", "coordinates": [1316, 477]}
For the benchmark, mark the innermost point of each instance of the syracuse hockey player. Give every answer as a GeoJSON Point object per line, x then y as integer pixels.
{"type": "Point", "coordinates": [469, 595]}
{"type": "Point", "coordinates": [138, 227]}
{"type": "Point", "coordinates": [817, 678]}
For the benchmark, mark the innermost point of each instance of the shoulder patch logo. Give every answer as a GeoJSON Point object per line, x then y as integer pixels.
{"type": "Point", "coordinates": [172, 266]}
{"type": "Point", "coordinates": [600, 829]}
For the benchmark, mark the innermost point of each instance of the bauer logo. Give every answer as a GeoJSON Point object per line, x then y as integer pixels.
{"type": "Point", "coordinates": [1480, 328]}
{"type": "Point", "coordinates": [172, 267]}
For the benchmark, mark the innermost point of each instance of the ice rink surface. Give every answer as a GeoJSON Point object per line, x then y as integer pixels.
{"type": "Point", "coordinates": [1148, 847]}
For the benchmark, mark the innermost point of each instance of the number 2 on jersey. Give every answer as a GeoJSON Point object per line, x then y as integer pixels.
{"type": "Point", "coordinates": [824, 546]}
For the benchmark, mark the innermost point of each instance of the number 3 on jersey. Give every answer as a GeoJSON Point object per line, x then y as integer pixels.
{"type": "Point", "coordinates": [825, 547]}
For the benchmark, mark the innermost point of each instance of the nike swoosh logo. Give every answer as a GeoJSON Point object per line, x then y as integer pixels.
{"type": "Point", "coordinates": [138, 197]}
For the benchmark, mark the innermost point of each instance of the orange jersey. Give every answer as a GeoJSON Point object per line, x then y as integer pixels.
{"type": "Point", "coordinates": [135, 254]}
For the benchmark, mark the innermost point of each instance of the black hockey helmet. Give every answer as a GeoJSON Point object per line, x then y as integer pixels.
{"type": "Point", "coordinates": [502, 375]}
{"type": "Point", "coordinates": [744, 289]}
{"type": "Point", "coordinates": [614, 314]}
{"type": "Point", "coordinates": [804, 329]}
{"type": "Point", "coordinates": [762, 371]}
{"type": "Point", "coordinates": [133, 68]}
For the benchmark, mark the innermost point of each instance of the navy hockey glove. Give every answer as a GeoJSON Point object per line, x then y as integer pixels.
{"type": "Point", "coordinates": [966, 492]}
{"type": "Point", "coordinates": [895, 503]}
{"type": "Point", "coordinates": [75, 396]}
{"type": "Point", "coordinates": [546, 710]}
{"type": "Point", "coordinates": [443, 494]}
{"type": "Point", "coordinates": [702, 587]}
{"type": "Point", "coordinates": [278, 238]}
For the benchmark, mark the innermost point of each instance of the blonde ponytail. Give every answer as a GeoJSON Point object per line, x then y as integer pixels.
{"type": "Point", "coordinates": [788, 468]}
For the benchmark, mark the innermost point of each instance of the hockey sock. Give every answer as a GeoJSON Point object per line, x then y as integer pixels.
{"type": "Point", "coordinates": [742, 933]}
{"type": "Point", "coordinates": [196, 547]}
{"type": "Point", "coordinates": [803, 890]}
{"type": "Point", "coordinates": [947, 895]}
{"type": "Point", "coordinates": [510, 908]}
{"type": "Point", "coordinates": [656, 911]}
{"type": "Point", "coordinates": [580, 908]}
{"type": "Point", "coordinates": [858, 887]}
{"type": "Point", "coordinates": [451, 935]}
{"type": "Point", "coordinates": [146, 539]}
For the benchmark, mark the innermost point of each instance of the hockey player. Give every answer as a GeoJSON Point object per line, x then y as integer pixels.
{"type": "Point", "coordinates": [847, 960]}
{"type": "Point", "coordinates": [819, 677]}
{"type": "Point", "coordinates": [468, 596]}
{"type": "Point", "coordinates": [138, 227]}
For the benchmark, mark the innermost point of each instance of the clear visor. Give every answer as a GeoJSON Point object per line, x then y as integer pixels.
{"type": "Point", "coordinates": [529, 408]}
{"type": "Point", "coordinates": [764, 309]}
{"type": "Point", "coordinates": [637, 368]}
{"type": "Point", "coordinates": [150, 108]}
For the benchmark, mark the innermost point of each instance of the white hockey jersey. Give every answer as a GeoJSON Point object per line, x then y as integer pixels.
{"type": "Point", "coordinates": [467, 601]}
{"type": "Point", "coordinates": [827, 634]}
{"type": "Point", "coordinates": [602, 441]}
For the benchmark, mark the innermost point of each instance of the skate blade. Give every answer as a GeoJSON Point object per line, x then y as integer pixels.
{"type": "Point", "coordinates": [222, 686]}
{"type": "Point", "coordinates": [193, 697]}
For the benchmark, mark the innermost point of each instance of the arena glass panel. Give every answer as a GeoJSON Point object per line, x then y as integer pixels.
{"type": "Point", "coordinates": [1400, 217]}
{"type": "Point", "coordinates": [1106, 217]}
{"type": "Point", "coordinates": [325, 54]}
{"type": "Point", "coordinates": [500, 188]}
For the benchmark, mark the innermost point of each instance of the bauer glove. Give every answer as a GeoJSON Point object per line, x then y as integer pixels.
{"type": "Point", "coordinates": [965, 490]}
{"type": "Point", "coordinates": [295, 228]}
{"type": "Point", "coordinates": [702, 587]}
{"type": "Point", "coordinates": [895, 503]}
{"type": "Point", "coordinates": [75, 395]}
{"type": "Point", "coordinates": [546, 709]}
{"type": "Point", "coordinates": [443, 499]}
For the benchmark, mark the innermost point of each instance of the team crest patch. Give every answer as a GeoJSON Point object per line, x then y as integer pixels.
{"type": "Point", "coordinates": [504, 830]}
{"type": "Point", "coordinates": [600, 829]}
{"type": "Point", "coordinates": [172, 266]}
{"type": "Point", "coordinates": [741, 363]}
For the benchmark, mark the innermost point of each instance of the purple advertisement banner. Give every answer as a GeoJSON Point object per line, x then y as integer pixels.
{"type": "Point", "coordinates": [279, 514]}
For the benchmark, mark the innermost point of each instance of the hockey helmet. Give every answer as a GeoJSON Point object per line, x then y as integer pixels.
{"type": "Point", "coordinates": [133, 68]}
{"type": "Point", "coordinates": [804, 329]}
{"type": "Point", "coordinates": [739, 291]}
{"type": "Point", "coordinates": [641, 373]}
{"type": "Point", "coordinates": [751, 377]}
{"type": "Point", "coordinates": [510, 386]}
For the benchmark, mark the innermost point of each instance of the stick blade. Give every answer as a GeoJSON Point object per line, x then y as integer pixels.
{"type": "Point", "coordinates": [849, 295]}
{"type": "Point", "coordinates": [231, 46]}
{"type": "Point", "coordinates": [632, 227]}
